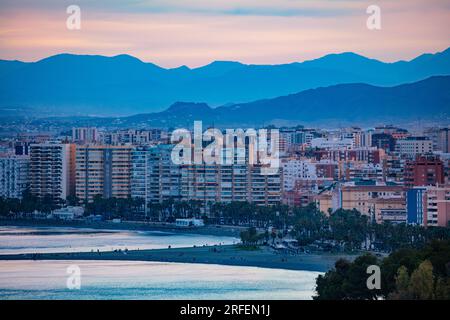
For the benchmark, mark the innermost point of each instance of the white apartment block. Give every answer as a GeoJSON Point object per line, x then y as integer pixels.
{"type": "Point", "coordinates": [413, 146]}
{"type": "Point", "coordinates": [154, 177]}
{"type": "Point", "coordinates": [294, 170]}
{"type": "Point", "coordinates": [14, 175]}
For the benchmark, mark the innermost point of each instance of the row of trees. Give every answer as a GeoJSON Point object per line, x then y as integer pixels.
{"type": "Point", "coordinates": [233, 213]}
{"type": "Point", "coordinates": [109, 208]}
{"type": "Point", "coordinates": [346, 227]}
{"type": "Point", "coordinates": [405, 274]}
{"type": "Point", "coordinates": [353, 229]}
{"type": "Point", "coordinates": [28, 204]}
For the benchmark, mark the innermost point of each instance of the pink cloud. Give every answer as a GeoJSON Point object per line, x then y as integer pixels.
{"type": "Point", "coordinates": [175, 38]}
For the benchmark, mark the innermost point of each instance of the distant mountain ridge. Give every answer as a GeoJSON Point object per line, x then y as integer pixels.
{"type": "Point", "coordinates": [68, 84]}
{"type": "Point", "coordinates": [356, 103]}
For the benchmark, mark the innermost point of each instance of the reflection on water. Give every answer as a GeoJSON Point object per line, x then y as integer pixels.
{"type": "Point", "coordinates": [31, 240]}
{"type": "Point", "coordinates": [151, 280]}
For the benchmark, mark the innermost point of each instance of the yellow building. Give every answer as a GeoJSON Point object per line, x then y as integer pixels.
{"type": "Point", "coordinates": [324, 202]}
{"type": "Point", "coordinates": [103, 170]}
{"type": "Point", "coordinates": [365, 198]}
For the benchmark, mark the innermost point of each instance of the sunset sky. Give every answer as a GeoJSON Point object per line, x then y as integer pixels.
{"type": "Point", "coordinates": [171, 33]}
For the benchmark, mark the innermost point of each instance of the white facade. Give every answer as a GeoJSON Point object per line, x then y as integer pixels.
{"type": "Point", "coordinates": [294, 170]}
{"type": "Point", "coordinates": [154, 177]}
{"type": "Point", "coordinates": [68, 213]}
{"type": "Point", "coordinates": [332, 143]}
{"type": "Point", "coordinates": [14, 175]}
{"type": "Point", "coordinates": [189, 223]}
{"type": "Point", "coordinates": [414, 146]}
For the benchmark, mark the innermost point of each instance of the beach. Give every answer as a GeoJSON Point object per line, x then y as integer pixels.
{"type": "Point", "coordinates": [117, 263]}
{"type": "Point", "coordinates": [214, 230]}
{"type": "Point", "coordinates": [232, 255]}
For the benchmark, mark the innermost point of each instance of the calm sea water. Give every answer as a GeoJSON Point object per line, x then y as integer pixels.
{"type": "Point", "coordinates": [135, 280]}
{"type": "Point", "coordinates": [151, 280]}
{"type": "Point", "coordinates": [31, 240]}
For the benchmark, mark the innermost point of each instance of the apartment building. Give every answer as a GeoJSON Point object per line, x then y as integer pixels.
{"type": "Point", "coordinates": [437, 206]}
{"type": "Point", "coordinates": [429, 206]}
{"type": "Point", "coordinates": [52, 170]}
{"type": "Point", "coordinates": [14, 175]}
{"type": "Point", "coordinates": [440, 138]}
{"type": "Point", "coordinates": [369, 155]}
{"type": "Point", "coordinates": [154, 177]}
{"type": "Point", "coordinates": [216, 183]}
{"type": "Point", "coordinates": [413, 146]}
{"type": "Point", "coordinates": [296, 169]}
{"type": "Point", "coordinates": [424, 171]}
{"type": "Point", "coordinates": [85, 135]}
{"type": "Point", "coordinates": [394, 168]}
{"type": "Point", "coordinates": [134, 137]}
{"type": "Point", "coordinates": [365, 196]}
{"type": "Point", "coordinates": [103, 170]}
{"type": "Point", "coordinates": [391, 210]}
{"type": "Point", "coordinates": [355, 171]}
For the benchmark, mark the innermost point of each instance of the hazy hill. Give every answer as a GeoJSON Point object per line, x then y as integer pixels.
{"type": "Point", "coordinates": [122, 85]}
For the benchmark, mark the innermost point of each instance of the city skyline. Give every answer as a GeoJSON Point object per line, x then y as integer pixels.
{"type": "Point", "coordinates": [242, 150]}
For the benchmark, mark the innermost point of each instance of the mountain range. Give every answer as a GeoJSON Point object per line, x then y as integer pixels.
{"type": "Point", "coordinates": [356, 103]}
{"type": "Point", "coordinates": [123, 85]}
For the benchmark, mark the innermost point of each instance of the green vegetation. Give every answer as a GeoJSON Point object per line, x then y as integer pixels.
{"type": "Point", "coordinates": [420, 274]}
{"type": "Point", "coordinates": [344, 230]}
{"type": "Point", "coordinates": [349, 230]}
{"type": "Point", "coordinates": [251, 238]}
{"type": "Point", "coordinates": [28, 204]}
{"type": "Point", "coordinates": [114, 207]}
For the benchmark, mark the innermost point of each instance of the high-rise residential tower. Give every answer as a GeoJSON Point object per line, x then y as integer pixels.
{"type": "Point", "coordinates": [52, 170]}
{"type": "Point", "coordinates": [104, 171]}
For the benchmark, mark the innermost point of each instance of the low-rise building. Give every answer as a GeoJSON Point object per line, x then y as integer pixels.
{"type": "Point", "coordinates": [413, 146]}
{"type": "Point", "coordinates": [362, 196]}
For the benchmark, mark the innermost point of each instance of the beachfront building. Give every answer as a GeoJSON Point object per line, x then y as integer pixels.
{"type": "Point", "coordinates": [14, 174]}
{"type": "Point", "coordinates": [52, 170]}
{"type": "Point", "coordinates": [237, 182]}
{"type": "Point", "coordinates": [154, 177]}
{"type": "Point", "coordinates": [103, 170]}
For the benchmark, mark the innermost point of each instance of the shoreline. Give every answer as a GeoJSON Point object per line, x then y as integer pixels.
{"type": "Point", "coordinates": [214, 230]}
{"type": "Point", "coordinates": [232, 255]}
